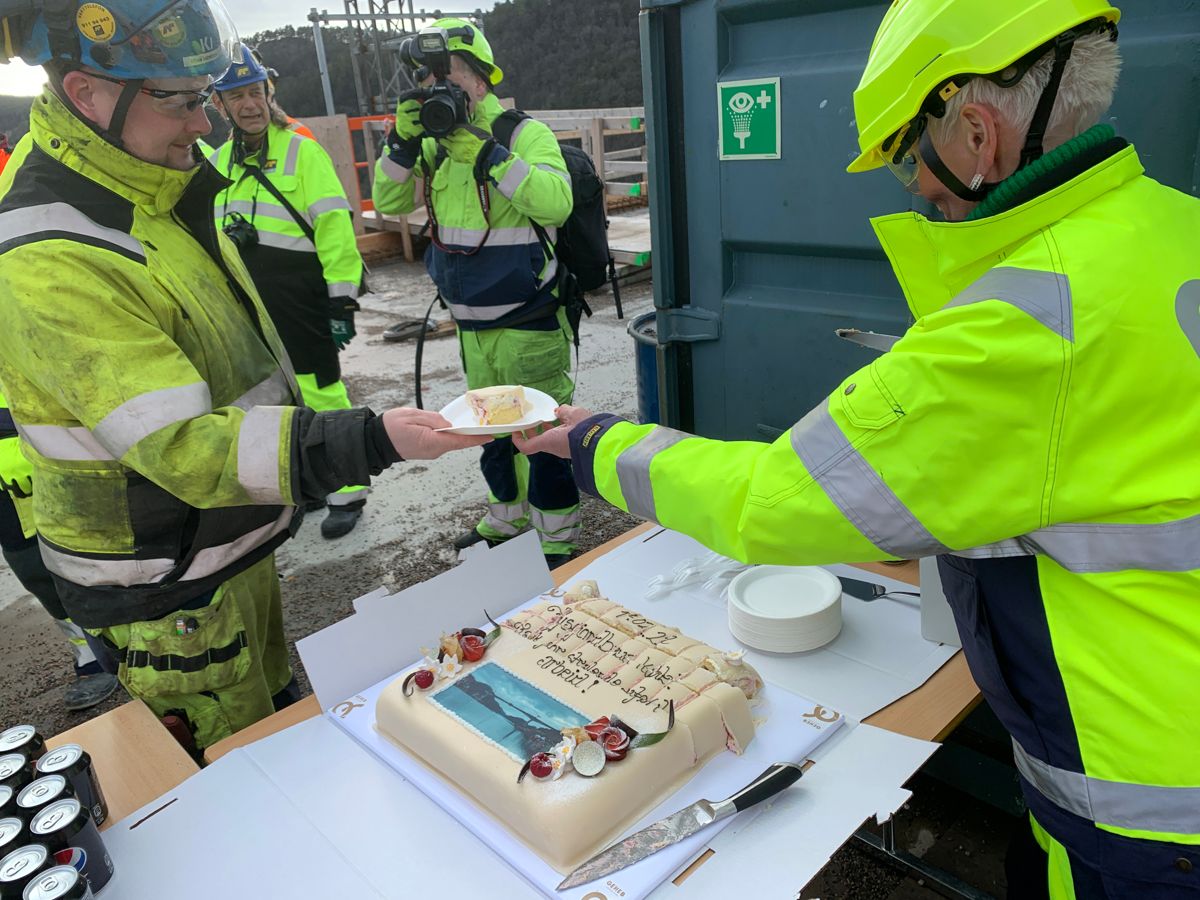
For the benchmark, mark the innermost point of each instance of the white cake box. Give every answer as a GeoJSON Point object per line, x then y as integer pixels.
{"type": "Point", "coordinates": [310, 812]}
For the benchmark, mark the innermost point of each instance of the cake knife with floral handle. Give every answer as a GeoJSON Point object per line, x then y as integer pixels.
{"type": "Point", "coordinates": [683, 824]}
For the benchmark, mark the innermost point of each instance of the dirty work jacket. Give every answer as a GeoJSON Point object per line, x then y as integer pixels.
{"type": "Point", "coordinates": [1038, 428]}
{"type": "Point", "coordinates": [302, 282]}
{"type": "Point", "coordinates": [15, 470]}
{"type": "Point", "coordinates": [152, 394]}
{"type": "Point", "coordinates": [511, 279]}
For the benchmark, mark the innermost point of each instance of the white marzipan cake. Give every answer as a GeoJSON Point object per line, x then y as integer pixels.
{"type": "Point", "coordinates": [500, 405]}
{"type": "Point", "coordinates": [552, 679]}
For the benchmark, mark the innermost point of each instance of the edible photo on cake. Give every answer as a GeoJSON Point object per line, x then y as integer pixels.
{"type": "Point", "coordinates": [508, 711]}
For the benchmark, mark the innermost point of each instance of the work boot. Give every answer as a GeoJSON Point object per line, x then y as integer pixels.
{"type": "Point", "coordinates": [471, 538]}
{"type": "Point", "coordinates": [341, 519]}
{"type": "Point", "coordinates": [88, 690]}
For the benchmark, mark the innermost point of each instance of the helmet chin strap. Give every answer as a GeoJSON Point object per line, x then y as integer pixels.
{"type": "Point", "coordinates": [114, 134]}
{"type": "Point", "coordinates": [930, 158]}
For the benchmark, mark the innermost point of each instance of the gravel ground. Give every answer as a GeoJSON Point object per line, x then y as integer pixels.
{"type": "Point", "coordinates": [404, 538]}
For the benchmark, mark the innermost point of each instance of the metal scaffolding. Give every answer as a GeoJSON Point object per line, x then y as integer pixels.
{"type": "Point", "coordinates": [380, 26]}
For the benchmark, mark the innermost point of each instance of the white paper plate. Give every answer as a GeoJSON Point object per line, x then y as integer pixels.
{"type": "Point", "coordinates": [785, 609]}
{"type": "Point", "coordinates": [539, 408]}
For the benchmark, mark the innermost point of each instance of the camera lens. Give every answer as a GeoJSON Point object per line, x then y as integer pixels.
{"type": "Point", "coordinates": [406, 52]}
{"type": "Point", "coordinates": [439, 115]}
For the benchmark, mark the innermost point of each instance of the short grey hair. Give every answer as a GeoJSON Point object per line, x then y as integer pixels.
{"type": "Point", "coordinates": [1085, 94]}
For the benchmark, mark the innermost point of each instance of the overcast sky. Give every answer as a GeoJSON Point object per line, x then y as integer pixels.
{"type": "Point", "coordinates": [17, 79]}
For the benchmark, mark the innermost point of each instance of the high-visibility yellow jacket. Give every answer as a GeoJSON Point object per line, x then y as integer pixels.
{"type": "Point", "coordinates": [152, 394]}
{"type": "Point", "coordinates": [15, 471]}
{"type": "Point", "coordinates": [1038, 428]}
{"type": "Point", "coordinates": [304, 272]}
{"type": "Point", "coordinates": [510, 279]}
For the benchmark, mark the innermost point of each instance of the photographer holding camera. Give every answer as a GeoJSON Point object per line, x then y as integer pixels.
{"type": "Point", "coordinates": [492, 270]}
{"type": "Point", "coordinates": [288, 215]}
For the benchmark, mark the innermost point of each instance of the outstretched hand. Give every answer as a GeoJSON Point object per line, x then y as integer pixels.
{"type": "Point", "coordinates": [413, 435]}
{"type": "Point", "coordinates": [556, 441]}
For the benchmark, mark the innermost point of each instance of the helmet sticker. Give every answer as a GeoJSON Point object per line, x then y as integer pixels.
{"type": "Point", "coordinates": [171, 32]}
{"type": "Point", "coordinates": [96, 23]}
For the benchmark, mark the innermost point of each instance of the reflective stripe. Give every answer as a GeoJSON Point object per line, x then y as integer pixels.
{"type": "Point", "coordinates": [463, 313]}
{"type": "Point", "coordinates": [293, 155]}
{"type": "Point", "coordinates": [260, 209]}
{"type": "Point", "coordinates": [1140, 807]}
{"type": "Point", "coordinates": [393, 169]}
{"type": "Point", "coordinates": [1187, 311]}
{"type": "Point", "coordinates": [857, 490]}
{"type": "Point", "coordinates": [1046, 296]}
{"type": "Point", "coordinates": [104, 572]}
{"type": "Point", "coordinates": [136, 419]}
{"type": "Point", "coordinates": [1107, 547]}
{"type": "Point", "coordinates": [506, 519]}
{"type": "Point", "coordinates": [559, 172]}
{"type": "Point", "coordinates": [60, 442]}
{"type": "Point", "coordinates": [633, 470]}
{"type": "Point", "coordinates": [258, 453]}
{"type": "Point", "coordinates": [498, 237]}
{"type": "Point", "coordinates": [214, 559]}
{"type": "Point", "coordinates": [345, 498]}
{"type": "Point", "coordinates": [300, 244]}
{"type": "Point", "coordinates": [548, 274]}
{"type": "Point", "coordinates": [567, 527]}
{"type": "Point", "coordinates": [343, 289]}
{"type": "Point", "coordinates": [62, 217]}
{"type": "Point", "coordinates": [271, 391]}
{"type": "Point", "coordinates": [512, 179]}
{"type": "Point", "coordinates": [516, 135]}
{"type": "Point", "coordinates": [329, 204]}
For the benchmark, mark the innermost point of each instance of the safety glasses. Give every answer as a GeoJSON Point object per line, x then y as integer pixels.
{"type": "Point", "coordinates": [900, 153]}
{"type": "Point", "coordinates": [176, 104]}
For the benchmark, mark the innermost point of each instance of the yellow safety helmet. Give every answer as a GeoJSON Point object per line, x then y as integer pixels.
{"type": "Point", "coordinates": [926, 50]}
{"type": "Point", "coordinates": [470, 40]}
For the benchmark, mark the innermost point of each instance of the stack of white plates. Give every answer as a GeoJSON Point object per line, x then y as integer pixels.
{"type": "Point", "coordinates": [785, 609]}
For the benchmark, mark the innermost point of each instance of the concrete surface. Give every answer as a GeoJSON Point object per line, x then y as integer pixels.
{"type": "Point", "coordinates": [413, 512]}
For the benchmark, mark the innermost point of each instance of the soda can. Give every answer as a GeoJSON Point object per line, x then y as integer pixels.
{"type": "Point", "coordinates": [13, 834]}
{"type": "Point", "coordinates": [44, 790]}
{"type": "Point", "coordinates": [8, 805]}
{"type": "Point", "coordinates": [22, 739]}
{"type": "Point", "coordinates": [66, 827]}
{"type": "Point", "coordinates": [20, 867]}
{"type": "Point", "coordinates": [15, 770]}
{"type": "Point", "coordinates": [59, 883]}
{"type": "Point", "coordinates": [72, 761]}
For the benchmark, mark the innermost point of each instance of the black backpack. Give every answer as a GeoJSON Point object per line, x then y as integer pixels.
{"type": "Point", "coordinates": [584, 259]}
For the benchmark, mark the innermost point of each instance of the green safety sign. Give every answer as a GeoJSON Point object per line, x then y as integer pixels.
{"type": "Point", "coordinates": [749, 116]}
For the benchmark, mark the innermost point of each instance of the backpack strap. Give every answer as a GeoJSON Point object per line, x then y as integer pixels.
{"type": "Point", "coordinates": [505, 124]}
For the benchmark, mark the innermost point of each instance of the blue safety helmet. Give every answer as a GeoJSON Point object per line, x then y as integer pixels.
{"type": "Point", "coordinates": [133, 39]}
{"type": "Point", "coordinates": [246, 69]}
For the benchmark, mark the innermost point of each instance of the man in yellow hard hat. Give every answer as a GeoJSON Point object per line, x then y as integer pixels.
{"type": "Point", "coordinates": [1036, 429]}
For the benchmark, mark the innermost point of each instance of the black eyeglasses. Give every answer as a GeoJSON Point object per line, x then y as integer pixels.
{"type": "Point", "coordinates": [177, 104]}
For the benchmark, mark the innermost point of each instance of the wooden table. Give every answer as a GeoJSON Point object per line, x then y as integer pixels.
{"type": "Point", "coordinates": [929, 713]}
{"type": "Point", "coordinates": [135, 757]}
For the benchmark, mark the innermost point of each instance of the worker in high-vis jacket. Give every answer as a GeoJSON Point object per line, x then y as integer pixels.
{"type": "Point", "coordinates": [151, 392]}
{"type": "Point", "coordinates": [287, 212]}
{"type": "Point", "coordinates": [18, 544]}
{"type": "Point", "coordinates": [1036, 429]}
{"type": "Point", "coordinates": [493, 273]}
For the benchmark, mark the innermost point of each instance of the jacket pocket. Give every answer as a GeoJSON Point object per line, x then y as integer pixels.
{"type": "Point", "coordinates": [867, 402]}
{"type": "Point", "coordinates": [188, 651]}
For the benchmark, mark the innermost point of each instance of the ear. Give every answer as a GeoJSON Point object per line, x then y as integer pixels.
{"type": "Point", "coordinates": [981, 132]}
{"type": "Point", "coordinates": [86, 96]}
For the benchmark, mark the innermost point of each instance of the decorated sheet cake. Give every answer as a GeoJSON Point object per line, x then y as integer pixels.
{"type": "Point", "coordinates": [572, 719]}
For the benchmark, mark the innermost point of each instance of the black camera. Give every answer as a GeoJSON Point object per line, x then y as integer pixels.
{"type": "Point", "coordinates": [443, 105]}
{"type": "Point", "coordinates": [243, 234]}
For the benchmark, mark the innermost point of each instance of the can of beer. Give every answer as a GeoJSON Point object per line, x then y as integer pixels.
{"type": "Point", "coordinates": [66, 827]}
{"type": "Point", "coordinates": [44, 790]}
{"type": "Point", "coordinates": [13, 834]}
{"type": "Point", "coordinates": [22, 739]}
{"type": "Point", "coordinates": [72, 761]}
{"type": "Point", "coordinates": [20, 867]}
{"type": "Point", "coordinates": [15, 770]}
{"type": "Point", "coordinates": [59, 883]}
{"type": "Point", "coordinates": [8, 805]}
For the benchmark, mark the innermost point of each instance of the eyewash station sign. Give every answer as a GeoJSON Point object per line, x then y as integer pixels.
{"type": "Point", "coordinates": [749, 117]}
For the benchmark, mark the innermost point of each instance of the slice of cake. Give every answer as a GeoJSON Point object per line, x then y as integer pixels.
{"type": "Point", "coordinates": [500, 405]}
{"type": "Point", "coordinates": [572, 720]}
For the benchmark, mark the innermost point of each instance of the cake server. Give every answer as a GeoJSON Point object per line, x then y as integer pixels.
{"type": "Point", "coordinates": [683, 824]}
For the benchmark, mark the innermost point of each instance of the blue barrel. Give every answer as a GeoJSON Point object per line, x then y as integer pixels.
{"type": "Point", "coordinates": [644, 332]}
